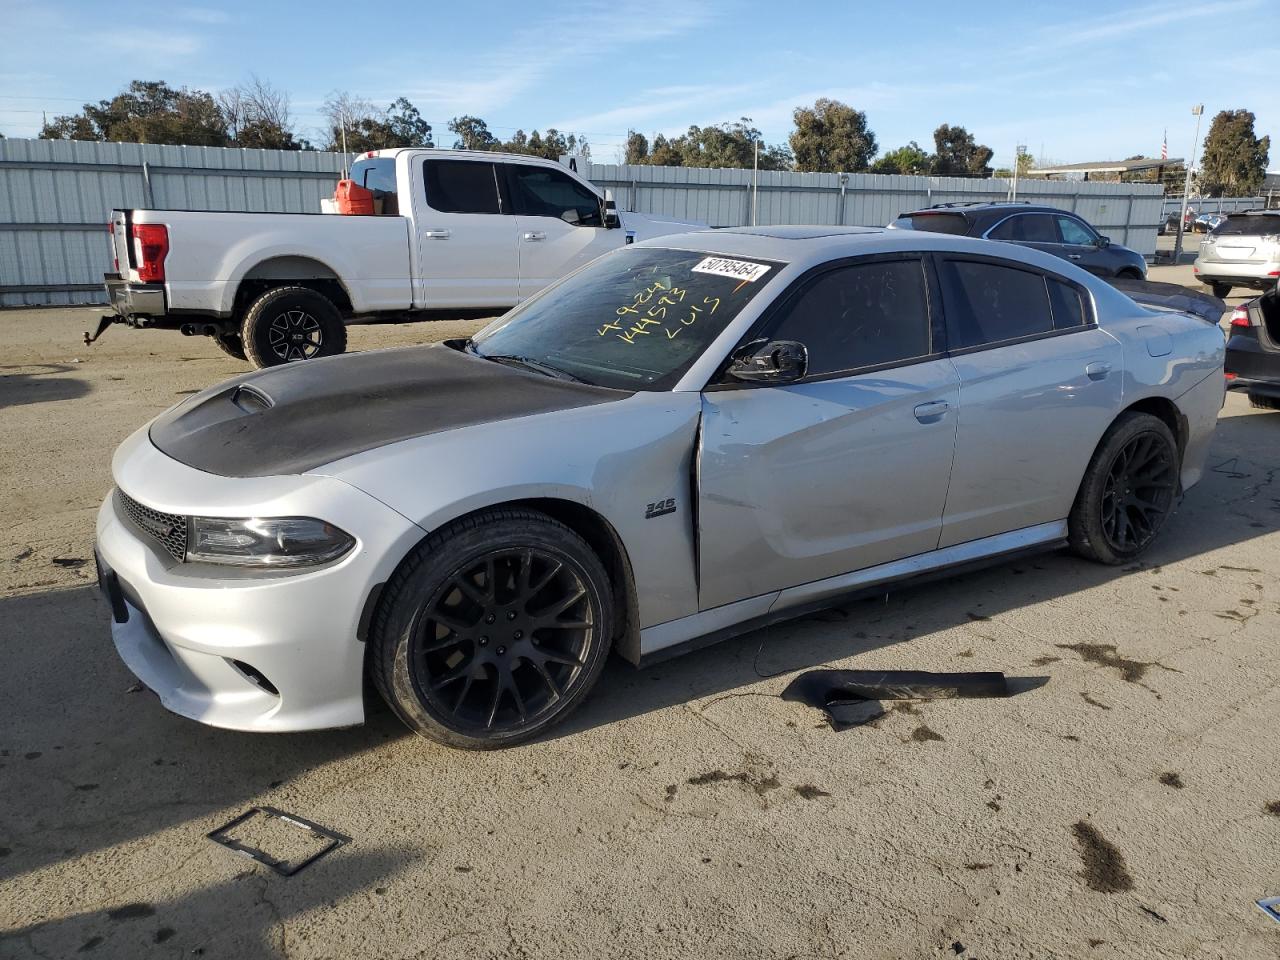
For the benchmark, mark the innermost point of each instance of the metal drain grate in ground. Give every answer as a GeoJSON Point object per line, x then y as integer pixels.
{"type": "Point", "coordinates": [282, 841]}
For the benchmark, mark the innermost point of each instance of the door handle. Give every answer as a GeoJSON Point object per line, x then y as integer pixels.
{"type": "Point", "coordinates": [1098, 370]}
{"type": "Point", "coordinates": [534, 235]}
{"type": "Point", "coordinates": [1074, 256]}
{"type": "Point", "coordinates": [435, 234]}
{"type": "Point", "coordinates": [932, 411]}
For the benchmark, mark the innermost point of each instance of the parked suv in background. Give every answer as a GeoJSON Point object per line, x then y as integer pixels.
{"type": "Point", "coordinates": [1045, 228]}
{"type": "Point", "coordinates": [1242, 251]}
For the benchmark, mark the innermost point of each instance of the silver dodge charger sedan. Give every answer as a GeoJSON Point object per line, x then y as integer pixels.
{"type": "Point", "coordinates": [684, 439]}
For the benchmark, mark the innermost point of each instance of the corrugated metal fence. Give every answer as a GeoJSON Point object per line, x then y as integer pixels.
{"type": "Point", "coordinates": [1129, 213]}
{"type": "Point", "coordinates": [55, 197]}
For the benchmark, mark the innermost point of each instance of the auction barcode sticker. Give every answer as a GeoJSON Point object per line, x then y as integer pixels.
{"type": "Point", "coordinates": [738, 269]}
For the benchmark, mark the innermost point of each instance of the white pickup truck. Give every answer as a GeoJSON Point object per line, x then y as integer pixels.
{"type": "Point", "coordinates": [459, 233]}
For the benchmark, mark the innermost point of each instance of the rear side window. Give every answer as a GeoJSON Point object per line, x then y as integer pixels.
{"type": "Point", "coordinates": [954, 223]}
{"type": "Point", "coordinates": [1027, 228]}
{"type": "Point", "coordinates": [379, 175]}
{"type": "Point", "coordinates": [543, 192]}
{"type": "Point", "coordinates": [986, 303]}
{"type": "Point", "coordinates": [1065, 302]}
{"type": "Point", "coordinates": [1248, 226]}
{"type": "Point", "coordinates": [860, 316]}
{"type": "Point", "coordinates": [461, 186]}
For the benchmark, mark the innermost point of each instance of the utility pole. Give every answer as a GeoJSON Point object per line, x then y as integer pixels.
{"type": "Point", "coordinates": [755, 182]}
{"type": "Point", "coordinates": [1017, 162]}
{"type": "Point", "coordinates": [1197, 111]}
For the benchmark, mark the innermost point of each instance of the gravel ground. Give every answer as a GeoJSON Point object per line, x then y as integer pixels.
{"type": "Point", "coordinates": [1124, 804]}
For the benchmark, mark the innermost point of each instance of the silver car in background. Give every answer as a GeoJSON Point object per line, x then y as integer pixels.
{"type": "Point", "coordinates": [1241, 251]}
{"type": "Point", "coordinates": [682, 440]}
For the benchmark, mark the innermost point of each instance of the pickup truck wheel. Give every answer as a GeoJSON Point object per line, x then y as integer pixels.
{"type": "Point", "coordinates": [1128, 490]}
{"type": "Point", "coordinates": [1221, 290]}
{"type": "Point", "coordinates": [231, 345]}
{"type": "Point", "coordinates": [492, 630]}
{"type": "Point", "coordinates": [289, 324]}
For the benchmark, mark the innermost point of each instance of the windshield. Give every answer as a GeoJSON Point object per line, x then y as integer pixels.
{"type": "Point", "coordinates": [635, 319]}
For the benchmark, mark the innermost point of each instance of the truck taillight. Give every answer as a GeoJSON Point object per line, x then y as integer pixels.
{"type": "Point", "coordinates": [152, 246]}
{"type": "Point", "coordinates": [1240, 317]}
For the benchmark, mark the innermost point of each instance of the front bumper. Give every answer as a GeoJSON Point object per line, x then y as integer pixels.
{"type": "Point", "coordinates": [205, 637]}
{"type": "Point", "coordinates": [134, 299]}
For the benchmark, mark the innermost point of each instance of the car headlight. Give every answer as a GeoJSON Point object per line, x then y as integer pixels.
{"type": "Point", "coordinates": [266, 541]}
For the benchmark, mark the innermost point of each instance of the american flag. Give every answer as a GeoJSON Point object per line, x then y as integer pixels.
{"type": "Point", "coordinates": [1164, 147]}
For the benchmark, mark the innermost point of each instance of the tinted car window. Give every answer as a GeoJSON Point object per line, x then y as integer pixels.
{"type": "Point", "coordinates": [986, 303]}
{"type": "Point", "coordinates": [955, 223]}
{"type": "Point", "coordinates": [1248, 226]}
{"type": "Point", "coordinates": [1027, 228]}
{"type": "Point", "coordinates": [1073, 231]}
{"type": "Point", "coordinates": [1065, 302]}
{"type": "Point", "coordinates": [543, 192]}
{"type": "Point", "coordinates": [461, 186]}
{"type": "Point", "coordinates": [861, 315]}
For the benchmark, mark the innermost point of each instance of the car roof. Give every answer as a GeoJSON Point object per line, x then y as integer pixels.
{"type": "Point", "coordinates": [985, 208]}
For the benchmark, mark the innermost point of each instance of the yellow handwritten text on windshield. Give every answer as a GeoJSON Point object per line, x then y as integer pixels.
{"type": "Point", "coordinates": [658, 309]}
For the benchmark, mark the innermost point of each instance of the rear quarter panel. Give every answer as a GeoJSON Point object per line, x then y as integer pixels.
{"type": "Point", "coordinates": [209, 253]}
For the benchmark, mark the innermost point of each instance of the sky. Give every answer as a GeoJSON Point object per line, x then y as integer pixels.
{"type": "Point", "coordinates": [1073, 82]}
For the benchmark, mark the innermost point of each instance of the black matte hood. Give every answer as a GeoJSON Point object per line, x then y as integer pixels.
{"type": "Point", "coordinates": [294, 418]}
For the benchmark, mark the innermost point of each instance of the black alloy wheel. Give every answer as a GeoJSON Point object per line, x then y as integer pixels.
{"type": "Point", "coordinates": [501, 641]}
{"type": "Point", "coordinates": [291, 325]}
{"type": "Point", "coordinates": [1138, 493]}
{"type": "Point", "coordinates": [295, 335]}
{"type": "Point", "coordinates": [493, 629]}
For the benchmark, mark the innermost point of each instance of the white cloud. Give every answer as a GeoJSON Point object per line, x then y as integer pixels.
{"type": "Point", "coordinates": [203, 15]}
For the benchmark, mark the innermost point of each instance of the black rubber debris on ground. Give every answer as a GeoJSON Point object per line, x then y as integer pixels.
{"type": "Point", "coordinates": [1272, 807]}
{"type": "Point", "coordinates": [1104, 867]}
{"type": "Point", "coordinates": [1172, 779]}
{"type": "Point", "coordinates": [810, 792]}
{"type": "Point", "coordinates": [307, 841]}
{"type": "Point", "coordinates": [849, 697]}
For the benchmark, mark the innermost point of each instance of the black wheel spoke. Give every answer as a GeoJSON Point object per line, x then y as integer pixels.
{"type": "Point", "coordinates": [1138, 491]}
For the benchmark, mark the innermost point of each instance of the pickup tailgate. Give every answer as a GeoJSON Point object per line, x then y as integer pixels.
{"type": "Point", "coordinates": [120, 244]}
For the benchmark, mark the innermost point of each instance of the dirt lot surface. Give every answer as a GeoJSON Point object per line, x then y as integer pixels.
{"type": "Point", "coordinates": [1126, 803]}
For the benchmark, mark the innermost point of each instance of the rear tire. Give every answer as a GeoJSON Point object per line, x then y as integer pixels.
{"type": "Point", "coordinates": [291, 324]}
{"type": "Point", "coordinates": [492, 630]}
{"type": "Point", "coordinates": [1263, 402]}
{"type": "Point", "coordinates": [1128, 490]}
{"type": "Point", "coordinates": [1221, 290]}
{"type": "Point", "coordinates": [231, 345]}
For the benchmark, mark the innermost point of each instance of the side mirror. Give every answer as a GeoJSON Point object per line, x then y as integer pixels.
{"type": "Point", "coordinates": [611, 219]}
{"type": "Point", "coordinates": [1103, 242]}
{"type": "Point", "coordinates": [774, 361]}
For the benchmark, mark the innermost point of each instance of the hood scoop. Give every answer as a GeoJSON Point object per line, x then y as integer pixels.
{"type": "Point", "coordinates": [294, 418]}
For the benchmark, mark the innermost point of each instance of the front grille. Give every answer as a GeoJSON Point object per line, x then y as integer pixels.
{"type": "Point", "coordinates": [167, 529]}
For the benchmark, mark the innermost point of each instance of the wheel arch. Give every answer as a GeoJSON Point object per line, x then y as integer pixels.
{"type": "Point", "coordinates": [291, 271]}
{"type": "Point", "coordinates": [599, 535]}
{"type": "Point", "coordinates": [1166, 410]}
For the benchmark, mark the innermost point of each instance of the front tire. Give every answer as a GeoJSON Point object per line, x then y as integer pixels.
{"type": "Point", "coordinates": [1221, 290]}
{"type": "Point", "coordinates": [290, 324]}
{"type": "Point", "coordinates": [1128, 490]}
{"type": "Point", "coordinates": [492, 630]}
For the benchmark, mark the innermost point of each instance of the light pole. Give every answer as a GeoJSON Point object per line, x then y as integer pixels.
{"type": "Point", "coordinates": [1197, 111]}
{"type": "Point", "coordinates": [1017, 163]}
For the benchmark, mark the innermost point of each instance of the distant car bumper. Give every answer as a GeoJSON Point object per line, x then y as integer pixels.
{"type": "Point", "coordinates": [1251, 367]}
{"type": "Point", "coordinates": [1257, 276]}
{"type": "Point", "coordinates": [134, 299]}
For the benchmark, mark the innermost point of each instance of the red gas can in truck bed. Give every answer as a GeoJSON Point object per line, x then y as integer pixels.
{"type": "Point", "coordinates": [353, 198]}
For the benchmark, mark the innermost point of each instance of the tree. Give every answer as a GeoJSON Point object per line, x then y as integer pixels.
{"type": "Point", "coordinates": [147, 111]}
{"type": "Point", "coordinates": [830, 137]}
{"type": "Point", "coordinates": [1234, 161]}
{"type": "Point", "coordinates": [257, 115]}
{"type": "Point", "coordinates": [904, 160]}
{"type": "Point", "coordinates": [665, 153]}
{"type": "Point", "coordinates": [472, 133]}
{"type": "Point", "coordinates": [367, 128]}
{"type": "Point", "coordinates": [957, 154]}
{"type": "Point", "coordinates": [637, 148]}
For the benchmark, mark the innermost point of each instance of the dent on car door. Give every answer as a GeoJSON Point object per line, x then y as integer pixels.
{"type": "Point", "coordinates": [466, 243]}
{"type": "Point", "coordinates": [1039, 385]}
{"type": "Point", "coordinates": [560, 223]}
{"type": "Point", "coordinates": [849, 466]}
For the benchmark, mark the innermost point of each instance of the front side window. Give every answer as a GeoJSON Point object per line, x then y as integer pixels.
{"type": "Point", "coordinates": [543, 192]}
{"type": "Point", "coordinates": [861, 316]}
{"type": "Point", "coordinates": [986, 303]}
{"type": "Point", "coordinates": [461, 186]}
{"type": "Point", "coordinates": [635, 319]}
{"type": "Point", "coordinates": [1075, 232]}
